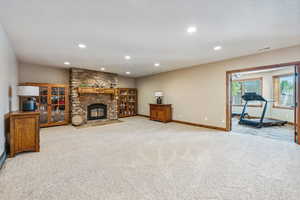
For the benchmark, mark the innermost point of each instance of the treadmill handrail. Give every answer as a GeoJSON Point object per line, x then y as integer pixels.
{"type": "Point", "coordinates": [253, 96]}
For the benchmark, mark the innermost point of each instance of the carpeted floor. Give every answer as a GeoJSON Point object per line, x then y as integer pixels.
{"type": "Point", "coordinates": [141, 159]}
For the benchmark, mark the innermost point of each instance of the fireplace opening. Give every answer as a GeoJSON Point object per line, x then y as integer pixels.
{"type": "Point", "coordinates": [97, 111]}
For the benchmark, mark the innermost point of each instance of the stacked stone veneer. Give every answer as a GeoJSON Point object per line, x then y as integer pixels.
{"type": "Point", "coordinates": [89, 78]}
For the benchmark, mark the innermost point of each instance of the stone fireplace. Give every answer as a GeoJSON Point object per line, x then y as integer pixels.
{"type": "Point", "coordinates": [86, 107]}
{"type": "Point", "coordinates": [96, 111]}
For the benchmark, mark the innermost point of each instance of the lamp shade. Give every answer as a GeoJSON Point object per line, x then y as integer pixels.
{"type": "Point", "coordinates": [28, 91]}
{"type": "Point", "coordinates": [158, 94]}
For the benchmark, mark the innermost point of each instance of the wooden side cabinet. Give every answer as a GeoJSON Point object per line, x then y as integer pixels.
{"type": "Point", "coordinates": [23, 132]}
{"type": "Point", "coordinates": [161, 112]}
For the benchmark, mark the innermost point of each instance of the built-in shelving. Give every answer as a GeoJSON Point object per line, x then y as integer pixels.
{"type": "Point", "coordinates": [127, 102]}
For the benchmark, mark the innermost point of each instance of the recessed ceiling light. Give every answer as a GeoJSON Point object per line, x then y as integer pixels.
{"type": "Point", "coordinates": [191, 29]}
{"type": "Point", "coordinates": [127, 72]}
{"type": "Point", "coordinates": [102, 68]}
{"type": "Point", "coordinates": [67, 63]}
{"type": "Point", "coordinates": [264, 49]}
{"type": "Point", "coordinates": [217, 48]}
{"type": "Point", "coordinates": [82, 46]}
{"type": "Point", "coordinates": [127, 57]}
{"type": "Point", "coordinates": [156, 64]}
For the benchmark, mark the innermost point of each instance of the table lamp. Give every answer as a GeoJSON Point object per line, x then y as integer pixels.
{"type": "Point", "coordinates": [158, 96]}
{"type": "Point", "coordinates": [28, 91]}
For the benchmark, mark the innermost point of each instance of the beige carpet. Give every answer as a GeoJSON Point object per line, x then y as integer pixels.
{"type": "Point", "coordinates": [140, 159]}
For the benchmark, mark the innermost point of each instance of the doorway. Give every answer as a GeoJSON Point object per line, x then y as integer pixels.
{"type": "Point", "coordinates": [271, 97]}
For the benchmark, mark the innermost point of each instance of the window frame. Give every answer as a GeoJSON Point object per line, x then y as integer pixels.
{"type": "Point", "coordinates": [276, 91]}
{"type": "Point", "coordinates": [250, 79]}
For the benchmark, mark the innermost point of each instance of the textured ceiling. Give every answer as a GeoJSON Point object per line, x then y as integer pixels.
{"type": "Point", "coordinates": [47, 32]}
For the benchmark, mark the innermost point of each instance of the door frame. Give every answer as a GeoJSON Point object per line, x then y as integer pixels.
{"type": "Point", "coordinates": [297, 96]}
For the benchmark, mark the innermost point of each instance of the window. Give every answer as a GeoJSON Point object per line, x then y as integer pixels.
{"type": "Point", "coordinates": [240, 87]}
{"type": "Point", "coordinates": [284, 91]}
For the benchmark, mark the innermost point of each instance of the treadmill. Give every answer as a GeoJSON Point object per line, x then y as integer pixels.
{"type": "Point", "coordinates": [260, 122]}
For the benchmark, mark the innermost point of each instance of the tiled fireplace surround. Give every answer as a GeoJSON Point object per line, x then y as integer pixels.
{"type": "Point", "coordinates": [89, 78]}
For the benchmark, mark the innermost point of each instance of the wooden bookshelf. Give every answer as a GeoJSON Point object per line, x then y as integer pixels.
{"type": "Point", "coordinates": [127, 102]}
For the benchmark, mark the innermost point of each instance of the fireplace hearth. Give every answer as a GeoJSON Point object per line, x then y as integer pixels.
{"type": "Point", "coordinates": [97, 111]}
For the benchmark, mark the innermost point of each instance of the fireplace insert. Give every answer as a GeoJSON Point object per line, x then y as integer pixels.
{"type": "Point", "coordinates": [96, 111]}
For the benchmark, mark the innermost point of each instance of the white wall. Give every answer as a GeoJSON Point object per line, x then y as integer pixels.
{"type": "Point", "coordinates": [198, 93]}
{"type": "Point", "coordinates": [8, 78]}
{"type": "Point", "coordinates": [267, 93]}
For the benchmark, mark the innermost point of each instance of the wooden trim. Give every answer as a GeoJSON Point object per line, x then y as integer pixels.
{"type": "Point", "coordinates": [192, 124]}
{"type": "Point", "coordinates": [43, 84]}
{"type": "Point", "coordinates": [283, 107]}
{"type": "Point", "coordinates": [283, 75]}
{"type": "Point", "coordinates": [228, 108]}
{"type": "Point", "coordinates": [154, 104]}
{"type": "Point", "coordinates": [54, 124]}
{"type": "Point", "coordinates": [200, 125]}
{"type": "Point", "coordinates": [248, 79]}
{"type": "Point", "coordinates": [264, 67]}
{"type": "Point", "coordinates": [140, 115]}
{"type": "Point", "coordinates": [229, 101]}
{"type": "Point", "coordinates": [19, 113]}
{"type": "Point", "coordinates": [111, 91]}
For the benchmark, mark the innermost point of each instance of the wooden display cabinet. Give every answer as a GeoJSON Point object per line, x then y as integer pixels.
{"type": "Point", "coordinates": [53, 103]}
{"type": "Point", "coordinates": [127, 102]}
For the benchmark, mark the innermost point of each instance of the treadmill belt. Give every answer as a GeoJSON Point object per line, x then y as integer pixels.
{"type": "Point", "coordinates": [266, 122]}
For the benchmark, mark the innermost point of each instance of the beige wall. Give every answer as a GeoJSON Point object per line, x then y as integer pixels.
{"type": "Point", "coordinates": [8, 78]}
{"type": "Point", "coordinates": [43, 74]}
{"type": "Point", "coordinates": [48, 74]}
{"type": "Point", "coordinates": [198, 93]}
{"type": "Point", "coordinates": [267, 93]}
{"type": "Point", "coordinates": [125, 82]}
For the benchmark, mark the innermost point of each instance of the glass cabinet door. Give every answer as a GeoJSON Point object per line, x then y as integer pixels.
{"type": "Point", "coordinates": [43, 105]}
{"type": "Point", "coordinates": [57, 104]}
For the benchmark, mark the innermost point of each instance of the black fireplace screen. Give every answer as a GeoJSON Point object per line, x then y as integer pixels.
{"type": "Point", "coordinates": [97, 111]}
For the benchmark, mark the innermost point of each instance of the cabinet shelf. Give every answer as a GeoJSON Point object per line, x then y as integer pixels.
{"type": "Point", "coordinates": [127, 102]}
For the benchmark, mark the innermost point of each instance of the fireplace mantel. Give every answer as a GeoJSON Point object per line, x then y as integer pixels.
{"type": "Point", "coordinates": [87, 90]}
